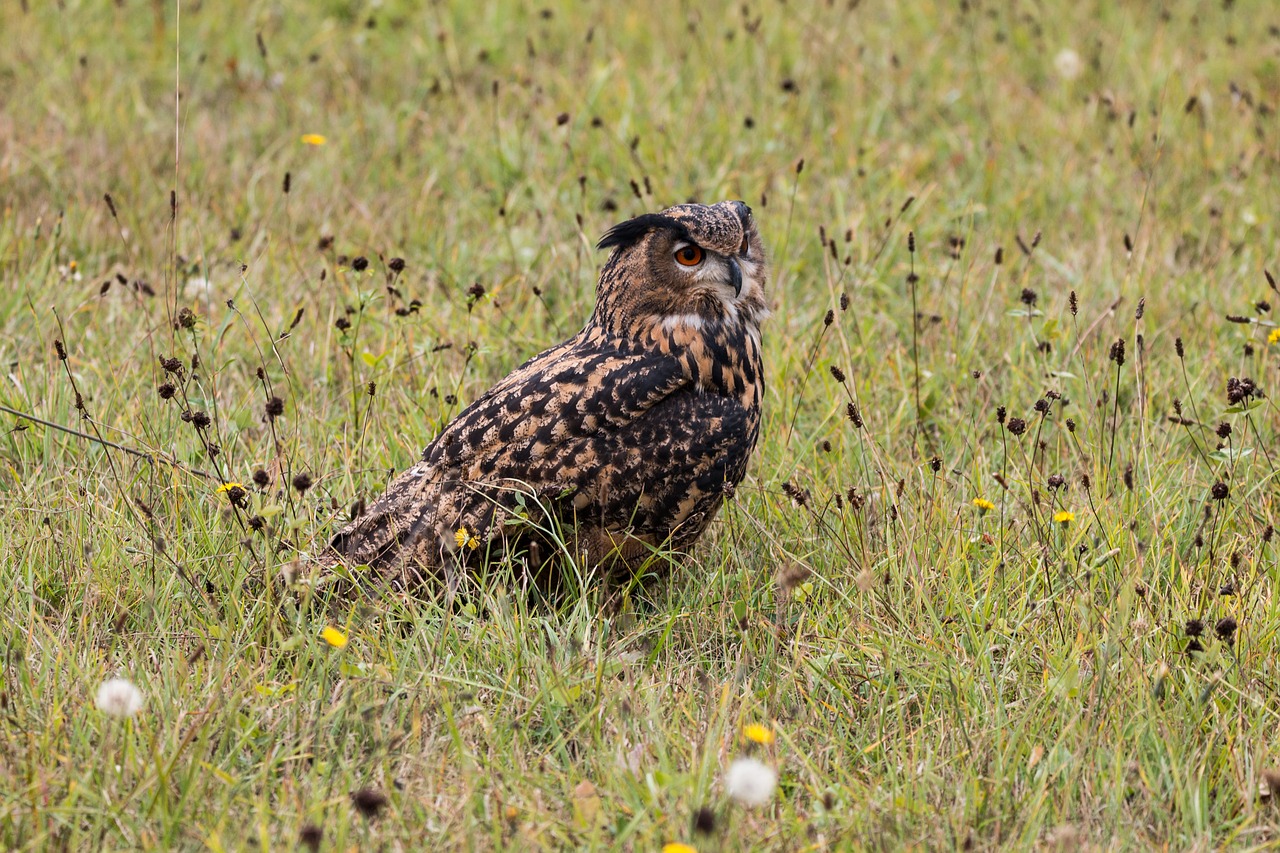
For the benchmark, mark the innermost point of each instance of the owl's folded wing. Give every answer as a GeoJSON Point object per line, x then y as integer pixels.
{"type": "Point", "coordinates": [661, 476]}
{"type": "Point", "coordinates": [556, 428]}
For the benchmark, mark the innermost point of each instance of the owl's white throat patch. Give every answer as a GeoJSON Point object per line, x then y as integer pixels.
{"type": "Point", "coordinates": [692, 322]}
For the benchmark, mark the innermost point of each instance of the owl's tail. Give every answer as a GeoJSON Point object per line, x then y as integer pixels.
{"type": "Point", "coordinates": [395, 537]}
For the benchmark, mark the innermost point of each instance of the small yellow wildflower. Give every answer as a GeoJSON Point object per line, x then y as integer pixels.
{"type": "Point", "coordinates": [677, 847]}
{"type": "Point", "coordinates": [983, 504]}
{"type": "Point", "coordinates": [465, 540]}
{"type": "Point", "coordinates": [1064, 516]}
{"type": "Point", "coordinates": [756, 733]}
{"type": "Point", "coordinates": [334, 637]}
{"type": "Point", "coordinates": [313, 139]}
{"type": "Point", "coordinates": [226, 487]}
{"type": "Point", "coordinates": [1274, 337]}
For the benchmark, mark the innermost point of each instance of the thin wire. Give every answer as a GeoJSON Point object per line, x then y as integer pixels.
{"type": "Point", "coordinates": [132, 451]}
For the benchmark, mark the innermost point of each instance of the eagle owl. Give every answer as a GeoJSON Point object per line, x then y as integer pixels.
{"type": "Point", "coordinates": [625, 438]}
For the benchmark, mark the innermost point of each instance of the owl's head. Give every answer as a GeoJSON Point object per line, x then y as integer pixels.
{"type": "Point", "coordinates": [692, 263]}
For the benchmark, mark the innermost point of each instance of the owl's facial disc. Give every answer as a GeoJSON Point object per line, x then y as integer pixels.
{"type": "Point", "coordinates": [688, 265]}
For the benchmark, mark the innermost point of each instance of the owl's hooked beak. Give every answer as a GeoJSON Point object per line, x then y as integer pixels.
{"type": "Point", "coordinates": [735, 277]}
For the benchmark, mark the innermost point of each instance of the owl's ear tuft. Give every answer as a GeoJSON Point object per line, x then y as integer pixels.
{"type": "Point", "coordinates": [627, 233]}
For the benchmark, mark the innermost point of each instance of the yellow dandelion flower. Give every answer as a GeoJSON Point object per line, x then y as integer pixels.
{"type": "Point", "coordinates": [1064, 516]}
{"type": "Point", "coordinates": [465, 540]}
{"type": "Point", "coordinates": [983, 504]}
{"type": "Point", "coordinates": [757, 733]}
{"type": "Point", "coordinates": [226, 487]}
{"type": "Point", "coordinates": [677, 847]}
{"type": "Point", "coordinates": [313, 139]}
{"type": "Point", "coordinates": [1274, 337]}
{"type": "Point", "coordinates": [334, 637]}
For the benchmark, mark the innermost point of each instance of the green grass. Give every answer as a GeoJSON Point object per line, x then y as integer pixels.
{"type": "Point", "coordinates": [945, 678]}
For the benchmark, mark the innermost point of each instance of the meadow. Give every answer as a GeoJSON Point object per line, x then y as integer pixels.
{"type": "Point", "coordinates": [1003, 573]}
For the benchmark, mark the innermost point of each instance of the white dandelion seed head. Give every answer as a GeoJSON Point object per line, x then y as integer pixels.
{"type": "Point", "coordinates": [197, 287]}
{"type": "Point", "coordinates": [1068, 64]}
{"type": "Point", "coordinates": [119, 698]}
{"type": "Point", "coordinates": [750, 782]}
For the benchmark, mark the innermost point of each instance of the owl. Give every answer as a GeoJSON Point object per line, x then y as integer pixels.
{"type": "Point", "coordinates": [620, 441]}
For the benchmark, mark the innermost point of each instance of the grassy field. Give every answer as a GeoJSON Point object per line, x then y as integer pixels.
{"type": "Point", "coordinates": [1031, 601]}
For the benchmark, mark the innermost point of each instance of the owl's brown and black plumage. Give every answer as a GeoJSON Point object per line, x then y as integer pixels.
{"type": "Point", "coordinates": [626, 437]}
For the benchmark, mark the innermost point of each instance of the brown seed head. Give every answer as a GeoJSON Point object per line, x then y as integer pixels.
{"type": "Point", "coordinates": [791, 576]}
{"type": "Point", "coordinates": [310, 836]}
{"type": "Point", "coordinates": [369, 802]}
{"type": "Point", "coordinates": [1117, 352]}
{"type": "Point", "coordinates": [797, 494]}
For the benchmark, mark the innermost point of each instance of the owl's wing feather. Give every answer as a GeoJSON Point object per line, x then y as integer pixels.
{"type": "Point", "coordinates": [667, 469]}
{"type": "Point", "coordinates": [560, 426]}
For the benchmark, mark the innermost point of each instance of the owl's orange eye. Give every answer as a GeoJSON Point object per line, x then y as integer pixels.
{"type": "Point", "coordinates": [689, 256]}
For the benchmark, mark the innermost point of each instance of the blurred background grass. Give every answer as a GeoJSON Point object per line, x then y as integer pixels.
{"type": "Point", "coordinates": [943, 677]}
